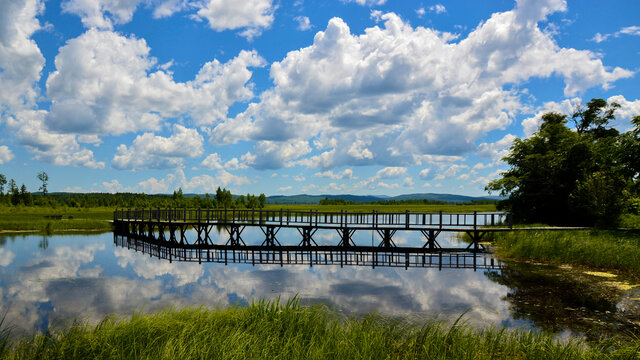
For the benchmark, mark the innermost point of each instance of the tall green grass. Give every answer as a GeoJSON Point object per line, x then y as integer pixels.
{"type": "Point", "coordinates": [269, 330]}
{"type": "Point", "coordinates": [604, 248]}
{"type": "Point", "coordinates": [452, 208]}
{"type": "Point", "coordinates": [39, 218]}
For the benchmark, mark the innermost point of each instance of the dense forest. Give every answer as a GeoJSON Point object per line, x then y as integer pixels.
{"type": "Point", "coordinates": [20, 196]}
{"type": "Point", "coordinates": [584, 175]}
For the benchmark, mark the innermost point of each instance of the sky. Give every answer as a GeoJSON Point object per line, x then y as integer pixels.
{"type": "Point", "coordinates": [290, 97]}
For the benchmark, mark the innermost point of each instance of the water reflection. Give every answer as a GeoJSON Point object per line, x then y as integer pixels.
{"type": "Point", "coordinates": [370, 256]}
{"type": "Point", "coordinates": [555, 300]}
{"type": "Point", "coordinates": [87, 277]}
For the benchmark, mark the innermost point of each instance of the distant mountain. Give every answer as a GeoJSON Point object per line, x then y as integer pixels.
{"type": "Point", "coordinates": [305, 199]}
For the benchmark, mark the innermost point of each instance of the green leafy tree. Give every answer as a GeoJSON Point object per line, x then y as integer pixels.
{"type": "Point", "coordinates": [543, 171]}
{"type": "Point", "coordinates": [223, 197]}
{"type": "Point", "coordinates": [262, 200]}
{"type": "Point", "coordinates": [15, 192]}
{"type": "Point", "coordinates": [241, 202]}
{"type": "Point", "coordinates": [3, 182]}
{"type": "Point", "coordinates": [44, 178]}
{"type": "Point", "coordinates": [25, 196]}
{"type": "Point", "coordinates": [252, 202]}
{"type": "Point", "coordinates": [581, 177]}
{"type": "Point", "coordinates": [595, 117]}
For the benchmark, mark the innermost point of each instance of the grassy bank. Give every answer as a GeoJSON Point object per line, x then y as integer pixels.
{"type": "Point", "coordinates": [387, 208]}
{"type": "Point", "coordinates": [603, 248]}
{"type": "Point", "coordinates": [50, 219]}
{"type": "Point", "coordinates": [291, 331]}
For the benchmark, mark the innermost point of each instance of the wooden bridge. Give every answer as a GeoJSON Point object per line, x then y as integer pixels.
{"type": "Point", "coordinates": [169, 226]}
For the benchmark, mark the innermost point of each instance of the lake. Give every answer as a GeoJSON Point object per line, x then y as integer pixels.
{"type": "Point", "coordinates": [51, 280]}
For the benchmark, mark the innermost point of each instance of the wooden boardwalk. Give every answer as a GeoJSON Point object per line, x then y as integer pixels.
{"type": "Point", "coordinates": [170, 226]}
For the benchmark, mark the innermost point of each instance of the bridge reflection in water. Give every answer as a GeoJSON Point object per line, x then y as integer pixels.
{"type": "Point", "coordinates": [369, 256]}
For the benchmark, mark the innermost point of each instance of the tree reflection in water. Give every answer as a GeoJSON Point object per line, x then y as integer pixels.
{"type": "Point", "coordinates": [557, 300]}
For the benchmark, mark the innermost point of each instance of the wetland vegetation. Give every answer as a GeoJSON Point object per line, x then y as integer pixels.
{"type": "Point", "coordinates": [293, 331]}
{"type": "Point", "coordinates": [609, 249]}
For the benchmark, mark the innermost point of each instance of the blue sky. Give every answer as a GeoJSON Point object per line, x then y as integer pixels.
{"type": "Point", "coordinates": [327, 97]}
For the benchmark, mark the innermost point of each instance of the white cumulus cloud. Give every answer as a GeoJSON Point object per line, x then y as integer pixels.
{"type": "Point", "coordinates": [105, 83]}
{"type": "Point", "coordinates": [5, 154]}
{"type": "Point", "coordinates": [396, 93]}
{"type": "Point", "coordinates": [20, 58]}
{"type": "Point", "coordinates": [150, 151]}
{"type": "Point", "coordinates": [253, 16]}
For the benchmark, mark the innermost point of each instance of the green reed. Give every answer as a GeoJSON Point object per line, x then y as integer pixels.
{"type": "Point", "coordinates": [273, 330]}
{"type": "Point", "coordinates": [602, 248]}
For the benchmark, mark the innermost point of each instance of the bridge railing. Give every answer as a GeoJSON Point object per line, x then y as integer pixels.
{"type": "Point", "coordinates": [316, 218]}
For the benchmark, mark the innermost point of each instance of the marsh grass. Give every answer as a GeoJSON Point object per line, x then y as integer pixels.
{"type": "Point", "coordinates": [609, 249]}
{"type": "Point", "coordinates": [40, 218]}
{"type": "Point", "coordinates": [367, 208]}
{"type": "Point", "coordinates": [272, 330]}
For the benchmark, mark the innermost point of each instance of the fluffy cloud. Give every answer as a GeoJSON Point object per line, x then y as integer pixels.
{"type": "Point", "coordinates": [497, 150]}
{"type": "Point", "coordinates": [20, 58]}
{"type": "Point", "coordinates": [426, 174]}
{"type": "Point", "coordinates": [438, 9]}
{"type": "Point", "coordinates": [303, 23]}
{"type": "Point", "coordinates": [199, 183]}
{"type": "Point", "coordinates": [628, 109]}
{"type": "Point", "coordinates": [212, 162]}
{"type": "Point", "coordinates": [345, 174]}
{"type": "Point", "coordinates": [367, 2]}
{"type": "Point", "coordinates": [254, 16]}
{"type": "Point", "coordinates": [396, 92]}
{"type": "Point", "coordinates": [451, 171]}
{"type": "Point", "coordinates": [105, 83]}
{"type": "Point", "coordinates": [274, 155]}
{"type": "Point", "coordinates": [150, 151]}
{"type": "Point", "coordinates": [5, 154]}
{"type": "Point", "coordinates": [101, 13]}
{"type": "Point", "coordinates": [58, 149]}
{"type": "Point", "coordinates": [629, 30]}
{"type": "Point", "coordinates": [389, 172]}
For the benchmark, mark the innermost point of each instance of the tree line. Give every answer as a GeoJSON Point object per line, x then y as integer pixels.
{"type": "Point", "coordinates": [20, 196]}
{"type": "Point", "coordinates": [588, 174]}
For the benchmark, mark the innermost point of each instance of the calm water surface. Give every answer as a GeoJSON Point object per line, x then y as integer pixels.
{"type": "Point", "coordinates": [49, 280]}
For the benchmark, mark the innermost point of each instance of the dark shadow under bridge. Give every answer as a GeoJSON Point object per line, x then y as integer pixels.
{"type": "Point", "coordinates": [308, 255]}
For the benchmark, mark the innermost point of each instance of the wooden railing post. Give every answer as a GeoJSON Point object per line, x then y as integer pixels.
{"type": "Point", "coordinates": [475, 221]}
